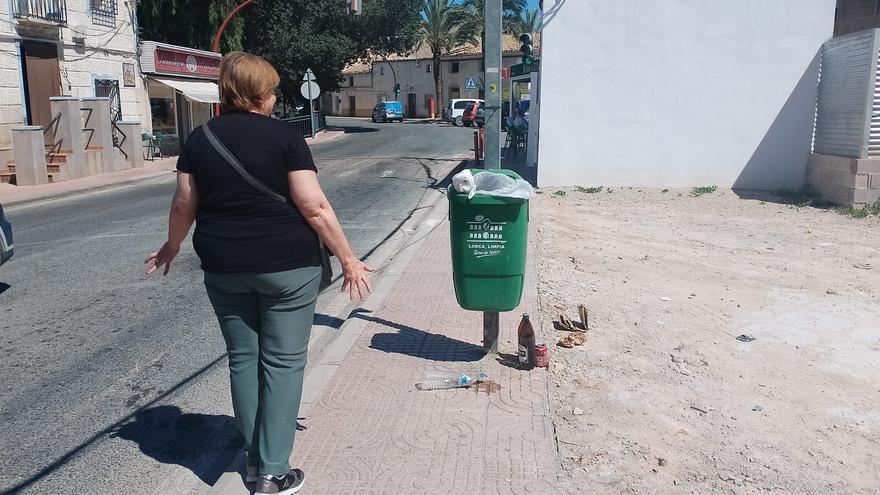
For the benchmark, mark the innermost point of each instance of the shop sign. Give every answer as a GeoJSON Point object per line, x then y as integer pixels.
{"type": "Point", "coordinates": [177, 62]}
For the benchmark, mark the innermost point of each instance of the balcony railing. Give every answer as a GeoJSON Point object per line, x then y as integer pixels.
{"type": "Point", "coordinates": [54, 11]}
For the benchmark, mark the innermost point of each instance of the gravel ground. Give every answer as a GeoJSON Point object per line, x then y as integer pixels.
{"type": "Point", "coordinates": [663, 398]}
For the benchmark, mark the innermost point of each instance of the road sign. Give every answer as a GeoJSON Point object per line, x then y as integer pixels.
{"type": "Point", "coordinates": [517, 70]}
{"type": "Point", "coordinates": [310, 90]}
{"type": "Point", "coordinates": [471, 84]}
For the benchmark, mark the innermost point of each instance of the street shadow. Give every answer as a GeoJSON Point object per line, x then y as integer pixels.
{"type": "Point", "coordinates": [445, 182]}
{"type": "Point", "coordinates": [780, 159]}
{"type": "Point", "coordinates": [508, 360]}
{"type": "Point", "coordinates": [4, 287]}
{"type": "Point", "coordinates": [352, 129]}
{"type": "Point", "coordinates": [53, 464]}
{"type": "Point", "coordinates": [327, 321]}
{"type": "Point", "coordinates": [432, 183]}
{"type": "Point", "coordinates": [419, 343]}
{"type": "Point", "coordinates": [437, 122]}
{"type": "Point", "coordinates": [516, 163]}
{"type": "Point", "coordinates": [193, 441]}
{"type": "Point", "coordinates": [804, 197]}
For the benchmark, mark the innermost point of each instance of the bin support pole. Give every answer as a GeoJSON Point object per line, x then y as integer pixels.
{"type": "Point", "coordinates": [492, 145]}
{"type": "Point", "coordinates": [490, 332]}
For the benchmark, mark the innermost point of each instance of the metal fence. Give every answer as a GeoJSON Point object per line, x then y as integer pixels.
{"type": "Point", "coordinates": [304, 124]}
{"type": "Point", "coordinates": [48, 10]}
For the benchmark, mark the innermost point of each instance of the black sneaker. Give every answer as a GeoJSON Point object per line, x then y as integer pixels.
{"type": "Point", "coordinates": [283, 485]}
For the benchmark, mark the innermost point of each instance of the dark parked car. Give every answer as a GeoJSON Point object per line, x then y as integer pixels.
{"type": "Point", "coordinates": [6, 248]}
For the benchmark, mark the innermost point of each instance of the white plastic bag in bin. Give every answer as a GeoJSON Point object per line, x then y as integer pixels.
{"type": "Point", "coordinates": [491, 184]}
{"type": "Point", "coordinates": [463, 182]}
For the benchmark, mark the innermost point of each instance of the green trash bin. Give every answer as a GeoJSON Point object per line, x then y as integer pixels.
{"type": "Point", "coordinates": [489, 236]}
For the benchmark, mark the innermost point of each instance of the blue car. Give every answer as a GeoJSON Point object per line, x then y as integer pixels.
{"type": "Point", "coordinates": [388, 111]}
{"type": "Point", "coordinates": [6, 248]}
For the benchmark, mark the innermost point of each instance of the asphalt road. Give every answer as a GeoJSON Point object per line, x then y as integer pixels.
{"type": "Point", "coordinates": [112, 382]}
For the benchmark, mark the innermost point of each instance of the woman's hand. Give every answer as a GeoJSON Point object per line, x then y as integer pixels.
{"type": "Point", "coordinates": [164, 256]}
{"type": "Point", "coordinates": [355, 273]}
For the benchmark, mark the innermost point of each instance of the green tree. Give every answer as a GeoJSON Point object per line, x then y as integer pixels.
{"type": "Point", "coordinates": [510, 14]}
{"type": "Point", "coordinates": [191, 23]}
{"type": "Point", "coordinates": [529, 22]}
{"type": "Point", "coordinates": [295, 35]}
{"type": "Point", "coordinates": [388, 27]}
{"type": "Point", "coordinates": [444, 26]}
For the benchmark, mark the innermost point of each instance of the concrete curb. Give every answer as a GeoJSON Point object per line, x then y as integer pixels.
{"type": "Point", "coordinates": [328, 359]}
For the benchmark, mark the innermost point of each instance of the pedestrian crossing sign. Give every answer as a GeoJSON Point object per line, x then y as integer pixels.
{"type": "Point", "coordinates": [471, 84]}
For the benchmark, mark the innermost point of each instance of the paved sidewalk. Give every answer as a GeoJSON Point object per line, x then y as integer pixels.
{"type": "Point", "coordinates": [19, 195]}
{"type": "Point", "coordinates": [371, 431]}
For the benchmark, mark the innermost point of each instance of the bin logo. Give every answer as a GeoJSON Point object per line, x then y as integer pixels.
{"type": "Point", "coordinates": [485, 237]}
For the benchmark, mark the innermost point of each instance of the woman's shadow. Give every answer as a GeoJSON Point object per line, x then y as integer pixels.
{"type": "Point", "coordinates": [203, 443]}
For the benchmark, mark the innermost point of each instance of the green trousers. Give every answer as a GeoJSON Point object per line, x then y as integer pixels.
{"type": "Point", "coordinates": [266, 320]}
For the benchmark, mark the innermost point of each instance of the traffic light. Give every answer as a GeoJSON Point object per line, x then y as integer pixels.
{"type": "Point", "coordinates": [528, 53]}
{"type": "Point", "coordinates": [397, 88]}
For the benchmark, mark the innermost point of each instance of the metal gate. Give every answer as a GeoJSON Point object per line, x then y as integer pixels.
{"type": "Point", "coordinates": [110, 88]}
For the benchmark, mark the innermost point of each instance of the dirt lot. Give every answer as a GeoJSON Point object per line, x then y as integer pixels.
{"type": "Point", "coordinates": [663, 398]}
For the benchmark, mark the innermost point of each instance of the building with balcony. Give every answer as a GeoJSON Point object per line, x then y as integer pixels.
{"type": "Point", "coordinates": [79, 48]}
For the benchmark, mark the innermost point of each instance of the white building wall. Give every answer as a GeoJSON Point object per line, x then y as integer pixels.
{"type": "Point", "coordinates": [680, 92]}
{"type": "Point", "coordinates": [100, 56]}
{"type": "Point", "coordinates": [413, 77]}
{"type": "Point", "coordinates": [80, 66]}
{"type": "Point", "coordinates": [11, 113]}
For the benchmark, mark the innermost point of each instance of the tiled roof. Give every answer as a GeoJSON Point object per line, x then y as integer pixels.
{"type": "Point", "coordinates": [359, 67]}
{"type": "Point", "coordinates": [509, 43]}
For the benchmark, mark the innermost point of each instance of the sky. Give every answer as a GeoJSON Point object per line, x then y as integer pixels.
{"type": "Point", "coordinates": [533, 4]}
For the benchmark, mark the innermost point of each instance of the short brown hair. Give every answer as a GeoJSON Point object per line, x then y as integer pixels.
{"type": "Point", "coordinates": [244, 79]}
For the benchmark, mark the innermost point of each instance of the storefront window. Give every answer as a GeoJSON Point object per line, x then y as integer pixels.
{"type": "Point", "coordinates": [163, 115]}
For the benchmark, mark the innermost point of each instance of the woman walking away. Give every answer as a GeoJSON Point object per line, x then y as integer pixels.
{"type": "Point", "coordinates": [250, 184]}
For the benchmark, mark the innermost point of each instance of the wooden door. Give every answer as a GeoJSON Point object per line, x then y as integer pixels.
{"type": "Point", "coordinates": [352, 110]}
{"type": "Point", "coordinates": [42, 80]}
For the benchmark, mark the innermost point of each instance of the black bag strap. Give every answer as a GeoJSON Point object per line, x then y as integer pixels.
{"type": "Point", "coordinates": [220, 148]}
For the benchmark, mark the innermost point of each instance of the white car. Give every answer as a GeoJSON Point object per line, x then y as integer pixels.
{"type": "Point", "coordinates": [455, 112]}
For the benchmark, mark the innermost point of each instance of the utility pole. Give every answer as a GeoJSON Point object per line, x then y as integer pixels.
{"type": "Point", "coordinates": [492, 112]}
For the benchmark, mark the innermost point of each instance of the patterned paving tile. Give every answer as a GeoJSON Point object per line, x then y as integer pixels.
{"type": "Point", "coordinates": [373, 432]}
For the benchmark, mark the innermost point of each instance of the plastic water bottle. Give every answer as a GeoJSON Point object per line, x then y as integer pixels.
{"type": "Point", "coordinates": [443, 381]}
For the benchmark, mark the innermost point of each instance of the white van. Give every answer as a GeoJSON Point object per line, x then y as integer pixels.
{"type": "Point", "coordinates": [456, 110]}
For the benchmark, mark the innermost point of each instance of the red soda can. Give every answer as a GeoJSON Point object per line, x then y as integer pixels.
{"type": "Point", "coordinates": [542, 355]}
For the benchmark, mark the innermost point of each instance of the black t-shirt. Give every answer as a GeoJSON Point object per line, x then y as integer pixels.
{"type": "Point", "coordinates": [238, 228]}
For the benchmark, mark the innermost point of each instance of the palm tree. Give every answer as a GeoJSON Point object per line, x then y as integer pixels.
{"type": "Point", "coordinates": [444, 26]}
{"type": "Point", "coordinates": [529, 22]}
{"type": "Point", "coordinates": [510, 12]}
